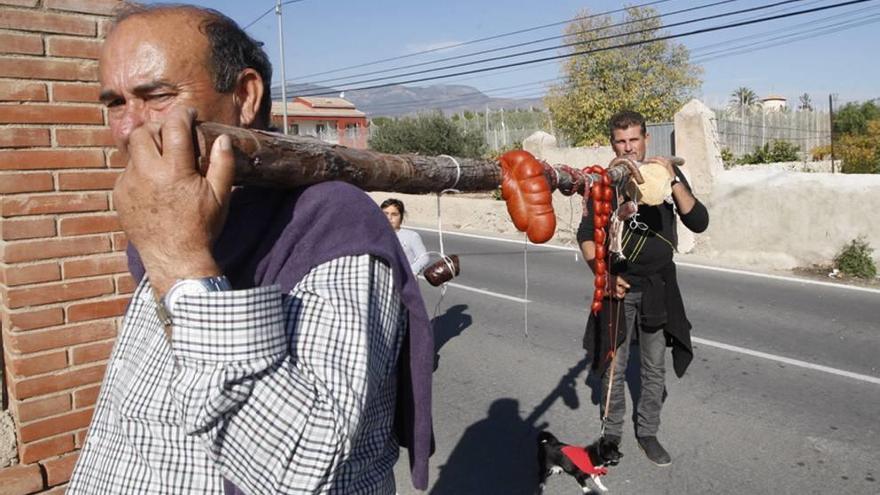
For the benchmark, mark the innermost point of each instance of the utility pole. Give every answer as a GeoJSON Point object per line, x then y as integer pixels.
{"type": "Point", "coordinates": [831, 128]}
{"type": "Point", "coordinates": [283, 73]}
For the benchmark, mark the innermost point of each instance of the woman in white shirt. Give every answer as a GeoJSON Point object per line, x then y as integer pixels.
{"type": "Point", "coordinates": [412, 244]}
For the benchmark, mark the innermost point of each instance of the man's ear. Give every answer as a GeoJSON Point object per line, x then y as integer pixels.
{"type": "Point", "coordinates": [248, 95]}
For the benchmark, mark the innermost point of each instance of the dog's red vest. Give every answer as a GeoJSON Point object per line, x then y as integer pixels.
{"type": "Point", "coordinates": [580, 458]}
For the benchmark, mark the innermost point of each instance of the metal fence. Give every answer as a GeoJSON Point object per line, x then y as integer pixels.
{"type": "Point", "coordinates": [662, 142]}
{"type": "Point", "coordinates": [743, 130]}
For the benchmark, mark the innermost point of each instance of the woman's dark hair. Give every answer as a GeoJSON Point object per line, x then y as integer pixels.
{"type": "Point", "coordinates": [232, 49]}
{"type": "Point", "coordinates": [395, 203]}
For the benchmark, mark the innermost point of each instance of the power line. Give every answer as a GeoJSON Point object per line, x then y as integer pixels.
{"type": "Point", "coordinates": [595, 50]}
{"type": "Point", "coordinates": [272, 8]}
{"type": "Point", "coordinates": [471, 42]}
{"type": "Point", "coordinates": [711, 55]}
{"type": "Point", "coordinates": [569, 45]}
{"type": "Point", "coordinates": [525, 43]}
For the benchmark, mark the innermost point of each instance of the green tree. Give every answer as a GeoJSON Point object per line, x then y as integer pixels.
{"type": "Point", "coordinates": [655, 78]}
{"type": "Point", "coordinates": [853, 117]}
{"type": "Point", "coordinates": [743, 97]}
{"type": "Point", "coordinates": [430, 134]}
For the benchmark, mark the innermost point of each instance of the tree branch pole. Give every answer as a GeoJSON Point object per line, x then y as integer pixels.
{"type": "Point", "coordinates": [282, 161]}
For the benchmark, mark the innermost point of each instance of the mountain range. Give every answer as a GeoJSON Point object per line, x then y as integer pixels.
{"type": "Point", "coordinates": [401, 100]}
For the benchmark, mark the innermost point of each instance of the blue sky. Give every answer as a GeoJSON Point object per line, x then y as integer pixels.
{"type": "Point", "coordinates": [323, 35]}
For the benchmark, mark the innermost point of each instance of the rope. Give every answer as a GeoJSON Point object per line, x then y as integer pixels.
{"type": "Point", "coordinates": [526, 286]}
{"type": "Point", "coordinates": [442, 252]}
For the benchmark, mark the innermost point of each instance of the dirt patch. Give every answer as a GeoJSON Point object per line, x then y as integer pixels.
{"type": "Point", "coordinates": [821, 272]}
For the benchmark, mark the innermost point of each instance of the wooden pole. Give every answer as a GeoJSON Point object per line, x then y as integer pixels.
{"type": "Point", "coordinates": [283, 161]}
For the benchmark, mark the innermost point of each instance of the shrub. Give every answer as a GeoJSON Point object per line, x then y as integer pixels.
{"type": "Point", "coordinates": [431, 134]}
{"type": "Point", "coordinates": [727, 158]}
{"type": "Point", "coordinates": [821, 152]}
{"type": "Point", "coordinates": [861, 152]}
{"type": "Point", "coordinates": [777, 151]}
{"type": "Point", "coordinates": [855, 259]}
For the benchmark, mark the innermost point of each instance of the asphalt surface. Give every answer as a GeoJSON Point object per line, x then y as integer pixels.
{"type": "Point", "coordinates": [792, 407]}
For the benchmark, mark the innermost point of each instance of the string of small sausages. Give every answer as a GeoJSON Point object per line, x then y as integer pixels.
{"type": "Point", "coordinates": [601, 193]}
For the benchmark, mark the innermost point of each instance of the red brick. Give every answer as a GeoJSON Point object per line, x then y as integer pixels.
{"type": "Point", "coordinates": [52, 447]}
{"type": "Point", "coordinates": [47, 22]}
{"type": "Point", "coordinates": [42, 385]}
{"type": "Point", "coordinates": [28, 44]}
{"type": "Point", "coordinates": [117, 159]}
{"type": "Point", "coordinates": [50, 114]}
{"type": "Point", "coordinates": [30, 320]}
{"type": "Point", "coordinates": [20, 3]}
{"type": "Point", "coordinates": [41, 340]}
{"type": "Point", "coordinates": [22, 91]}
{"type": "Point", "coordinates": [30, 274]}
{"type": "Point", "coordinates": [84, 137]}
{"type": "Point", "coordinates": [104, 7]}
{"type": "Point", "coordinates": [50, 159]}
{"type": "Point", "coordinates": [91, 224]}
{"type": "Point", "coordinates": [26, 228]}
{"type": "Point", "coordinates": [36, 295]}
{"type": "Point", "coordinates": [73, 47]}
{"type": "Point", "coordinates": [96, 310]}
{"type": "Point", "coordinates": [20, 251]}
{"type": "Point", "coordinates": [53, 203]}
{"type": "Point", "coordinates": [92, 352]}
{"type": "Point", "coordinates": [18, 182]}
{"type": "Point", "coordinates": [58, 470]}
{"type": "Point", "coordinates": [96, 265]}
{"type": "Point", "coordinates": [76, 92]}
{"type": "Point", "coordinates": [14, 137]}
{"type": "Point", "coordinates": [52, 69]}
{"type": "Point", "coordinates": [85, 397]}
{"type": "Point", "coordinates": [21, 479]}
{"type": "Point", "coordinates": [125, 284]}
{"type": "Point", "coordinates": [120, 242]}
{"type": "Point", "coordinates": [81, 436]}
{"type": "Point", "coordinates": [31, 365]}
{"type": "Point", "coordinates": [30, 410]}
{"type": "Point", "coordinates": [88, 181]}
{"type": "Point", "coordinates": [60, 489]}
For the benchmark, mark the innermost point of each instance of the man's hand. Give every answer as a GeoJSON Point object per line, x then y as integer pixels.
{"type": "Point", "coordinates": [619, 287]}
{"type": "Point", "coordinates": [170, 212]}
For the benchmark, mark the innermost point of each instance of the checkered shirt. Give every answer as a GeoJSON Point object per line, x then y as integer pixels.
{"type": "Point", "coordinates": [278, 393]}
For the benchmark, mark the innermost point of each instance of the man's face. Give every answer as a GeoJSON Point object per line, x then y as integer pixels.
{"type": "Point", "coordinates": [629, 143]}
{"type": "Point", "coordinates": [151, 64]}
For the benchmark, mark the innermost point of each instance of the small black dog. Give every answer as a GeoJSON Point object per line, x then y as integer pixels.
{"type": "Point", "coordinates": [581, 462]}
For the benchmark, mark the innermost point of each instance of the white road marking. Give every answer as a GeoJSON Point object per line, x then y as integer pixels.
{"type": "Point", "coordinates": [488, 293]}
{"type": "Point", "coordinates": [793, 362]}
{"type": "Point", "coordinates": [782, 278]}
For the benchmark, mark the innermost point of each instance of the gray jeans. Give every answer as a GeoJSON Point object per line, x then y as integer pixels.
{"type": "Point", "coordinates": [652, 350]}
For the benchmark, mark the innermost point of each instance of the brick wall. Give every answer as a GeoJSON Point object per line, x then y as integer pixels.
{"type": "Point", "coordinates": [63, 284]}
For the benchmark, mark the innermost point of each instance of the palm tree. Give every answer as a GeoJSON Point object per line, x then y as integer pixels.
{"type": "Point", "coordinates": [805, 103]}
{"type": "Point", "coordinates": [743, 97]}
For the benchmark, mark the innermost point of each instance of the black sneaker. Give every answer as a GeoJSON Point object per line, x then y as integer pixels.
{"type": "Point", "coordinates": [655, 452]}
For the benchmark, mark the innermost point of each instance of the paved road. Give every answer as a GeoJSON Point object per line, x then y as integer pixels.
{"type": "Point", "coordinates": [783, 395]}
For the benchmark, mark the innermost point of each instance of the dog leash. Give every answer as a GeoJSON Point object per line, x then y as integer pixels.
{"type": "Point", "coordinates": [614, 322]}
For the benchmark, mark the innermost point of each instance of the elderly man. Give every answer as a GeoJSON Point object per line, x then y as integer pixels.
{"type": "Point", "coordinates": [277, 341]}
{"type": "Point", "coordinates": [646, 303]}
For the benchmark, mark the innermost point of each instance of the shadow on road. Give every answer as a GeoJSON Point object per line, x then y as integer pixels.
{"type": "Point", "coordinates": [448, 326]}
{"type": "Point", "coordinates": [498, 454]}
